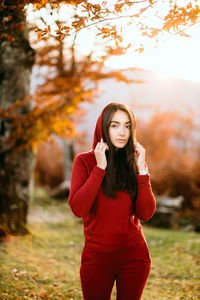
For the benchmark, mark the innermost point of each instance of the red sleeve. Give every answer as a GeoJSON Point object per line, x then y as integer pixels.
{"type": "Point", "coordinates": [84, 188]}
{"type": "Point", "coordinates": [145, 203]}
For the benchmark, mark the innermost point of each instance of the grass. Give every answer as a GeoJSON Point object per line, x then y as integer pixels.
{"type": "Point", "coordinates": [45, 264]}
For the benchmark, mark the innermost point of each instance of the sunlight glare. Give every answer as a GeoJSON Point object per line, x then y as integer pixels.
{"type": "Point", "coordinates": [177, 57]}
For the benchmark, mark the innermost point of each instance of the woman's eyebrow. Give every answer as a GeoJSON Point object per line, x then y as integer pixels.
{"type": "Point", "coordinates": [119, 122]}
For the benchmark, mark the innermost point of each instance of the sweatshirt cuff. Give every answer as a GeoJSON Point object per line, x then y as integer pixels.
{"type": "Point", "coordinates": [143, 178]}
{"type": "Point", "coordinates": [99, 171]}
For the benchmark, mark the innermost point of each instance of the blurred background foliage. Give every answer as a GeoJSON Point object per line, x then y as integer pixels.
{"type": "Point", "coordinates": [50, 70]}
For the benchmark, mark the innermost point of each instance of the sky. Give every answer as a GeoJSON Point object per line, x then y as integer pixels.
{"type": "Point", "coordinates": [175, 56]}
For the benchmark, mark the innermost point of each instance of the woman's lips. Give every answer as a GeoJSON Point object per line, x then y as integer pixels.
{"type": "Point", "coordinates": [121, 140]}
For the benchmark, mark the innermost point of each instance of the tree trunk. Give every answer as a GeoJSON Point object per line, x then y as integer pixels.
{"type": "Point", "coordinates": [68, 155]}
{"type": "Point", "coordinates": [16, 60]}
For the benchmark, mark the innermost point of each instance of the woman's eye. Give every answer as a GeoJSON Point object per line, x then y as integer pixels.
{"type": "Point", "coordinates": [129, 127]}
{"type": "Point", "coordinates": [114, 125]}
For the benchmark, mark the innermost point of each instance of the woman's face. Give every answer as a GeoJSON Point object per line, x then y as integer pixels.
{"type": "Point", "coordinates": [119, 129]}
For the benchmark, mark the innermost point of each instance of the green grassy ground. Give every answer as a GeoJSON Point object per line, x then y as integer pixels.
{"type": "Point", "coordinates": [45, 264]}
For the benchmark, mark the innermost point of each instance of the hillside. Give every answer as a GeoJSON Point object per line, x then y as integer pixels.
{"type": "Point", "coordinates": [145, 99]}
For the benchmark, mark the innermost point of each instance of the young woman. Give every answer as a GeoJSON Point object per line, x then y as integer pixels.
{"type": "Point", "coordinates": [111, 191]}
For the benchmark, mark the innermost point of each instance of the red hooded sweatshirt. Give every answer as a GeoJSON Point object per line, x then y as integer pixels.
{"type": "Point", "coordinates": [110, 224]}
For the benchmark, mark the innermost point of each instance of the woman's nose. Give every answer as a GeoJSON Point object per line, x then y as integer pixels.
{"type": "Point", "coordinates": [122, 130]}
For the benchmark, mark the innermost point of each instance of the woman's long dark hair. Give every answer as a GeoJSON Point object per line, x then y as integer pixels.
{"type": "Point", "coordinates": [121, 171]}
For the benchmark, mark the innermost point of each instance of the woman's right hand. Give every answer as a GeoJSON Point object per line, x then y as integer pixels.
{"type": "Point", "coordinates": [100, 154]}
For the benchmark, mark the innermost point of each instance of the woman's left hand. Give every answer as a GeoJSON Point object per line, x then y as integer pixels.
{"type": "Point", "coordinates": [140, 157]}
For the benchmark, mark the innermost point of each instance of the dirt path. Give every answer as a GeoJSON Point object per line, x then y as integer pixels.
{"type": "Point", "coordinates": [52, 214]}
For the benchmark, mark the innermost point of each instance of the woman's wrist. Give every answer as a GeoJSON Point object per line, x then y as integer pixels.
{"type": "Point", "coordinates": [143, 170]}
{"type": "Point", "coordinates": [101, 167]}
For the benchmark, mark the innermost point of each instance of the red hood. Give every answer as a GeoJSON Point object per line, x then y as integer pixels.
{"type": "Point", "coordinates": [98, 133]}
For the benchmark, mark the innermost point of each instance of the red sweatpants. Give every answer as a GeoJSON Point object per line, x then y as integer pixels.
{"type": "Point", "coordinates": [129, 267]}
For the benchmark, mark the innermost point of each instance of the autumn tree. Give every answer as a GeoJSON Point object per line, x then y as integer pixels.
{"type": "Point", "coordinates": [23, 118]}
{"type": "Point", "coordinates": [16, 60]}
{"type": "Point", "coordinates": [172, 143]}
{"type": "Point", "coordinates": [70, 78]}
